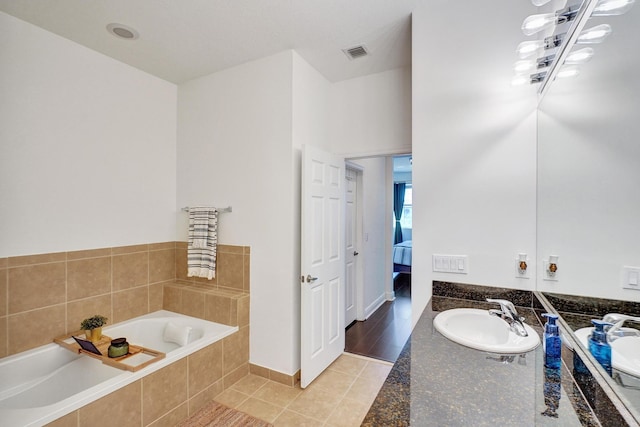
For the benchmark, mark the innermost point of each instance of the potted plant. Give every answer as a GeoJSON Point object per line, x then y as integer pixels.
{"type": "Point", "coordinates": [92, 327]}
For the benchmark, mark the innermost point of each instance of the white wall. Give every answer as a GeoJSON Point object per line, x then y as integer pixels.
{"type": "Point", "coordinates": [371, 115]}
{"type": "Point", "coordinates": [376, 227]}
{"type": "Point", "coordinates": [235, 148]}
{"type": "Point", "coordinates": [473, 145]}
{"type": "Point", "coordinates": [87, 147]}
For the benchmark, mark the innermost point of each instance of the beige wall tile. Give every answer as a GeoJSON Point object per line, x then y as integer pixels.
{"type": "Point", "coordinates": [36, 286]}
{"type": "Point", "coordinates": [89, 253]}
{"type": "Point", "coordinates": [120, 408]}
{"type": "Point", "coordinates": [235, 375]}
{"type": "Point", "coordinates": [162, 265]}
{"type": "Point", "coordinates": [259, 370]}
{"type": "Point", "coordinates": [217, 308]}
{"type": "Point", "coordinates": [4, 262]}
{"type": "Point", "coordinates": [247, 274]}
{"type": "Point", "coordinates": [156, 295]}
{"type": "Point", "coordinates": [88, 278]}
{"type": "Point", "coordinates": [130, 270]}
{"type": "Point", "coordinates": [69, 420]}
{"type": "Point", "coordinates": [204, 397]}
{"type": "Point", "coordinates": [236, 350]}
{"type": "Point", "coordinates": [161, 245]}
{"type": "Point", "coordinates": [282, 378]}
{"type": "Point", "coordinates": [230, 270]}
{"type": "Point", "coordinates": [243, 311]}
{"type": "Point", "coordinates": [172, 298]}
{"type": "Point", "coordinates": [173, 418]}
{"type": "Point", "coordinates": [4, 290]}
{"type": "Point", "coordinates": [129, 249]}
{"type": "Point", "coordinates": [4, 350]}
{"type": "Point", "coordinates": [18, 261]}
{"type": "Point", "coordinates": [205, 368]}
{"type": "Point", "coordinates": [181, 264]}
{"type": "Point", "coordinates": [77, 311]}
{"type": "Point", "coordinates": [231, 249]}
{"type": "Point", "coordinates": [131, 303]}
{"type": "Point", "coordinates": [166, 388]}
{"type": "Point", "coordinates": [35, 328]}
{"type": "Point", "coordinates": [193, 303]}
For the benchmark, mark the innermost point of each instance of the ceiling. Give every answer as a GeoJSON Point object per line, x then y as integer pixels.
{"type": "Point", "coordinates": [184, 39]}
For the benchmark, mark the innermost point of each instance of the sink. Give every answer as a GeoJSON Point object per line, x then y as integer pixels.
{"type": "Point", "coordinates": [625, 351]}
{"type": "Point", "coordinates": [477, 329]}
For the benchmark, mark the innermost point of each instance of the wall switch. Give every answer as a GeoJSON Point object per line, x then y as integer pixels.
{"type": "Point", "coordinates": [457, 264]}
{"type": "Point", "coordinates": [631, 278]}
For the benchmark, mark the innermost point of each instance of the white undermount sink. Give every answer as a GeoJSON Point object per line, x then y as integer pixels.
{"type": "Point", "coordinates": [480, 330]}
{"type": "Point", "coordinates": [625, 351]}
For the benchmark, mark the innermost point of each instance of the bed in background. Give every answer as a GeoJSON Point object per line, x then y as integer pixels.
{"type": "Point", "coordinates": [402, 256]}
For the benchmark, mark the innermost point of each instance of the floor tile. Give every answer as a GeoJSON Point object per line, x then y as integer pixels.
{"type": "Point", "coordinates": [249, 384]}
{"type": "Point", "coordinates": [348, 364]}
{"type": "Point", "coordinates": [348, 413]}
{"type": "Point", "coordinates": [260, 409]}
{"type": "Point", "coordinates": [277, 394]}
{"type": "Point", "coordinates": [293, 419]}
{"type": "Point", "coordinates": [317, 403]}
{"type": "Point", "coordinates": [231, 398]}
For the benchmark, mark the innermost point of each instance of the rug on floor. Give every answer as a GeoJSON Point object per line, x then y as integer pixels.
{"type": "Point", "coordinates": [215, 414]}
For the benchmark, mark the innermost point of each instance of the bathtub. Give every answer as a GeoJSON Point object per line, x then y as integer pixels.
{"type": "Point", "coordinates": [40, 385]}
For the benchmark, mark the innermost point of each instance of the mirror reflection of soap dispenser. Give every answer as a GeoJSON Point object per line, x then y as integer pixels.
{"type": "Point", "coordinates": [599, 346]}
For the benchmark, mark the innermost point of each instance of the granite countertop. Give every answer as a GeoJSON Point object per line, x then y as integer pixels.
{"type": "Point", "coordinates": [436, 382]}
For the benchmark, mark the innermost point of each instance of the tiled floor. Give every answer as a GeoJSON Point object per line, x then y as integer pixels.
{"type": "Point", "coordinates": [339, 397]}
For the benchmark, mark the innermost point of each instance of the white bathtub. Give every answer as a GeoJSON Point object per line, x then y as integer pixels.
{"type": "Point", "coordinates": [48, 382]}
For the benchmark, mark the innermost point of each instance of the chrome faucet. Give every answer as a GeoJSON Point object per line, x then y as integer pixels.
{"type": "Point", "coordinates": [508, 313]}
{"type": "Point", "coordinates": [617, 320]}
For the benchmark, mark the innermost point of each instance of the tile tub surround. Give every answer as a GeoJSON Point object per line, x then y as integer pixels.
{"type": "Point", "coordinates": [438, 382]}
{"type": "Point", "coordinates": [50, 294]}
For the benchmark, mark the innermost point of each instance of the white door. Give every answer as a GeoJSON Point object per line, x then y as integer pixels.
{"type": "Point", "coordinates": [351, 252]}
{"type": "Point", "coordinates": [322, 269]}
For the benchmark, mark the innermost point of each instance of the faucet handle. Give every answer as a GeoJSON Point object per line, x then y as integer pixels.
{"type": "Point", "coordinates": [505, 306]}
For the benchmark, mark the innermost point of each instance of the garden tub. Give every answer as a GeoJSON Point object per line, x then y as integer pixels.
{"type": "Point", "coordinates": [43, 384]}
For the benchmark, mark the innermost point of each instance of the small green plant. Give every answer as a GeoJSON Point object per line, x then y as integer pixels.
{"type": "Point", "coordinates": [93, 322]}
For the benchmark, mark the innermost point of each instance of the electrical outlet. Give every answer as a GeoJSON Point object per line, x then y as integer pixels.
{"type": "Point", "coordinates": [520, 273]}
{"type": "Point", "coordinates": [548, 275]}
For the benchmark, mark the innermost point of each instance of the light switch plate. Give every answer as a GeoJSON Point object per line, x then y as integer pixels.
{"type": "Point", "coordinates": [631, 278]}
{"type": "Point", "coordinates": [457, 264]}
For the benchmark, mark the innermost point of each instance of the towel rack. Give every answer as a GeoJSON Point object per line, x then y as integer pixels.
{"type": "Point", "coordinates": [220, 210]}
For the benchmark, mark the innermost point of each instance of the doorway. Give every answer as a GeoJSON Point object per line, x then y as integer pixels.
{"type": "Point", "coordinates": [385, 324]}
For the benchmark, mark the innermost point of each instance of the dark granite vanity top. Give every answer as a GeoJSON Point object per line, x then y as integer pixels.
{"type": "Point", "coordinates": [436, 382]}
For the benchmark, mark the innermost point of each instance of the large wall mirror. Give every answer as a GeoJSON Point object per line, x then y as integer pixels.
{"type": "Point", "coordinates": [589, 174]}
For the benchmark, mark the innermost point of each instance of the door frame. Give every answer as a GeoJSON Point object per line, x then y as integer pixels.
{"type": "Point", "coordinates": [359, 280]}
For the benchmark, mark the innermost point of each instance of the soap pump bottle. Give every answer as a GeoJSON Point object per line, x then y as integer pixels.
{"type": "Point", "coordinates": [598, 345]}
{"type": "Point", "coordinates": [552, 343]}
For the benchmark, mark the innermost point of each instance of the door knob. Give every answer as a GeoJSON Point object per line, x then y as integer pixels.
{"type": "Point", "coordinates": [355, 253]}
{"type": "Point", "coordinates": [311, 279]}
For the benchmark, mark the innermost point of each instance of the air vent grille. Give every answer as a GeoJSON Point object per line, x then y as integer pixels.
{"type": "Point", "coordinates": [356, 52]}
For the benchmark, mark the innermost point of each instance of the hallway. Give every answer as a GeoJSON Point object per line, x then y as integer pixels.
{"type": "Point", "coordinates": [383, 335]}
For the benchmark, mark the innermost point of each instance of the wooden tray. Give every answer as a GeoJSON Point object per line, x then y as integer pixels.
{"type": "Point", "coordinates": [69, 343]}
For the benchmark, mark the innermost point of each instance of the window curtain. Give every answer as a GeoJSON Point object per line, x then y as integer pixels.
{"type": "Point", "coordinates": [398, 207]}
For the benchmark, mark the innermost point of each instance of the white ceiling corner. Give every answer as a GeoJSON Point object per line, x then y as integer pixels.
{"type": "Point", "coordinates": [184, 39]}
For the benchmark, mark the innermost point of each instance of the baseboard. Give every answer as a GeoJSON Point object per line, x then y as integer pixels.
{"type": "Point", "coordinates": [270, 374]}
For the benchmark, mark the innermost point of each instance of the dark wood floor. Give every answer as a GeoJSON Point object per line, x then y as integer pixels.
{"type": "Point", "coordinates": [383, 335]}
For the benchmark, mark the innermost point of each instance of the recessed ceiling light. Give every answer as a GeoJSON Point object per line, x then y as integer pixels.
{"type": "Point", "coordinates": [122, 31]}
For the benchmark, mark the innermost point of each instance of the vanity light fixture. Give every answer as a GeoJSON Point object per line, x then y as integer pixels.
{"type": "Point", "coordinates": [560, 61]}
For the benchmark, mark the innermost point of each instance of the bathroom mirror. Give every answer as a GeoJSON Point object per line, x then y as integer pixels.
{"type": "Point", "coordinates": [589, 172]}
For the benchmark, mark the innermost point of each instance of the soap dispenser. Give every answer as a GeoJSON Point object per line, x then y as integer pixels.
{"type": "Point", "coordinates": [552, 343]}
{"type": "Point", "coordinates": [598, 345]}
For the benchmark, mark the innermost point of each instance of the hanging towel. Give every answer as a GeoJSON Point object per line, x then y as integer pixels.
{"type": "Point", "coordinates": [203, 241]}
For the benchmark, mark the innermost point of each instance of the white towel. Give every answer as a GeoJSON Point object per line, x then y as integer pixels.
{"type": "Point", "coordinates": [203, 241]}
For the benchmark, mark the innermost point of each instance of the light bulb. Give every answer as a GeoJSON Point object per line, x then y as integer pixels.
{"type": "Point", "coordinates": [536, 23]}
{"type": "Point", "coordinates": [612, 7]}
{"type": "Point", "coordinates": [524, 67]}
{"type": "Point", "coordinates": [579, 56]}
{"type": "Point", "coordinates": [594, 34]}
{"type": "Point", "coordinates": [567, 72]}
{"type": "Point", "coordinates": [520, 80]}
{"type": "Point", "coordinates": [529, 48]}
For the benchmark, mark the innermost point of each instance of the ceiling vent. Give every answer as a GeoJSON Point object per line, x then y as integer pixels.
{"type": "Point", "coordinates": [356, 52]}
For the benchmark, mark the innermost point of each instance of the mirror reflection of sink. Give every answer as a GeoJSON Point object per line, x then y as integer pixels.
{"type": "Point", "coordinates": [479, 330]}
{"type": "Point", "coordinates": [625, 350]}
